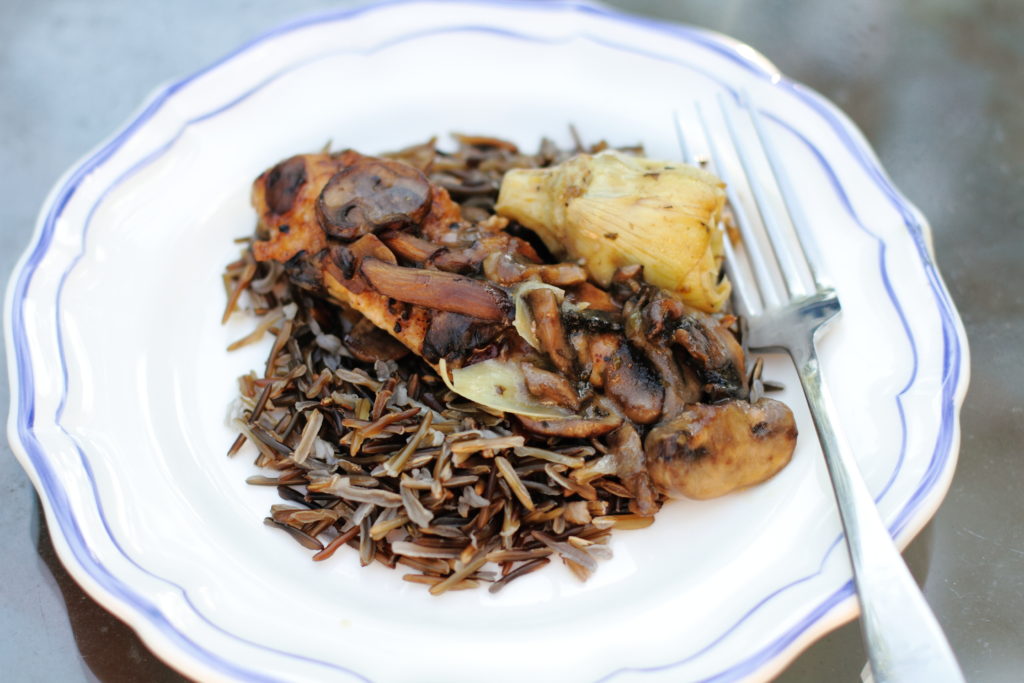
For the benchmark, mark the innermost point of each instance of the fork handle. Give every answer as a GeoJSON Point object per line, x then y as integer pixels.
{"type": "Point", "coordinates": [904, 640]}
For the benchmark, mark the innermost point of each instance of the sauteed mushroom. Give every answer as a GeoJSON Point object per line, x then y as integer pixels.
{"type": "Point", "coordinates": [370, 194]}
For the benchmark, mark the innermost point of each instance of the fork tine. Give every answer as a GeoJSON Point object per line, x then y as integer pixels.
{"type": "Point", "coordinates": [762, 273]}
{"type": "Point", "coordinates": [740, 287]}
{"type": "Point", "coordinates": [790, 270]}
{"type": "Point", "coordinates": [684, 149]}
{"type": "Point", "coordinates": [789, 196]}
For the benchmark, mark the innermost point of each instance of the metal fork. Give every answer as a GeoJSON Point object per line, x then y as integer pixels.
{"type": "Point", "coordinates": [903, 639]}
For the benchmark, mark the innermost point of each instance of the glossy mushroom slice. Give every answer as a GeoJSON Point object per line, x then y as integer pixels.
{"type": "Point", "coordinates": [713, 449]}
{"type": "Point", "coordinates": [550, 387]}
{"type": "Point", "coordinates": [625, 378]}
{"type": "Point", "coordinates": [370, 194]}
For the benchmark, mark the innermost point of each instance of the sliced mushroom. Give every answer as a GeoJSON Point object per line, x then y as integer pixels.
{"type": "Point", "coordinates": [547, 321]}
{"type": "Point", "coordinates": [571, 427]}
{"type": "Point", "coordinates": [595, 298]}
{"type": "Point", "coordinates": [468, 259]}
{"type": "Point", "coordinates": [631, 469]}
{"type": "Point", "coordinates": [283, 183]}
{"type": "Point", "coordinates": [709, 347]}
{"type": "Point", "coordinates": [550, 387]}
{"type": "Point", "coordinates": [349, 260]}
{"type": "Point", "coordinates": [633, 386]}
{"type": "Point", "coordinates": [681, 385]}
{"type": "Point", "coordinates": [717, 355]}
{"type": "Point", "coordinates": [371, 194]}
{"type": "Point", "coordinates": [709, 450]}
{"type": "Point", "coordinates": [580, 427]}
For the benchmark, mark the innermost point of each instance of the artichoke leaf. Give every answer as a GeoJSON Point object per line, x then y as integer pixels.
{"type": "Point", "coordinates": [499, 385]}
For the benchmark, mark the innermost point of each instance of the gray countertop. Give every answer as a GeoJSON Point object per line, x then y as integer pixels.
{"type": "Point", "coordinates": [938, 89]}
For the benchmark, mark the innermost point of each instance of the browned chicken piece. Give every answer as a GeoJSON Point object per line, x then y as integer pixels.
{"type": "Point", "coordinates": [441, 225]}
{"type": "Point", "coordinates": [285, 198]}
{"type": "Point", "coordinates": [312, 206]}
{"type": "Point", "coordinates": [631, 364]}
{"type": "Point", "coordinates": [369, 343]}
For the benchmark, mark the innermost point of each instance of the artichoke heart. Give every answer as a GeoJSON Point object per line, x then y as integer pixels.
{"type": "Point", "coordinates": [613, 209]}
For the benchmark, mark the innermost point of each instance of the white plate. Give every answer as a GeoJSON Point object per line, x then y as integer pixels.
{"type": "Point", "coordinates": [121, 382]}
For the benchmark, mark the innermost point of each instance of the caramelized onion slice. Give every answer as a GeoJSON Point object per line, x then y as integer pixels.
{"type": "Point", "coordinates": [439, 290]}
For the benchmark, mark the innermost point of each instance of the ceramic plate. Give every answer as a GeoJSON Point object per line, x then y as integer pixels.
{"type": "Point", "coordinates": [121, 382]}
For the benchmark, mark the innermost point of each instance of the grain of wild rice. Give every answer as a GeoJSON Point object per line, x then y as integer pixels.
{"type": "Point", "coordinates": [385, 460]}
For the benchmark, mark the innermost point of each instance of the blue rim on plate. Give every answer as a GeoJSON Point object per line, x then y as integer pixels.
{"type": "Point", "coordinates": [63, 520]}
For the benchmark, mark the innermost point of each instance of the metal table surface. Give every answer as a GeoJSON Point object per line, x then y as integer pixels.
{"type": "Point", "coordinates": [937, 87]}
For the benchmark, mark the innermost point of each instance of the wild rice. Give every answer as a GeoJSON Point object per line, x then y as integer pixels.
{"type": "Point", "coordinates": [418, 514]}
{"type": "Point", "coordinates": [416, 550]}
{"type": "Point", "coordinates": [309, 433]}
{"type": "Point", "coordinates": [385, 527]}
{"type": "Point", "coordinates": [523, 570]}
{"type": "Point", "coordinates": [567, 551]}
{"type": "Point", "coordinates": [304, 539]}
{"type": "Point", "coordinates": [453, 579]}
{"type": "Point", "coordinates": [477, 445]}
{"type": "Point", "coordinates": [514, 482]}
{"type": "Point", "coordinates": [380, 456]}
{"type": "Point", "coordinates": [397, 463]}
{"type": "Point", "coordinates": [627, 521]}
{"type": "Point", "coordinates": [339, 540]}
{"type": "Point", "coordinates": [466, 584]}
